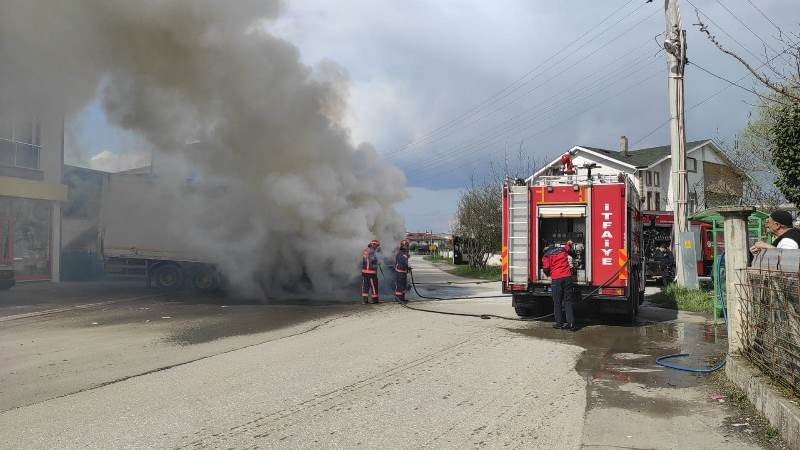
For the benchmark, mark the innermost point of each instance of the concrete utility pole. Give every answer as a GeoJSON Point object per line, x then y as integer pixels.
{"type": "Point", "coordinates": [675, 46]}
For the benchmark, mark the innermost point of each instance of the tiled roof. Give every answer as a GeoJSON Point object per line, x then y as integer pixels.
{"type": "Point", "coordinates": [643, 157]}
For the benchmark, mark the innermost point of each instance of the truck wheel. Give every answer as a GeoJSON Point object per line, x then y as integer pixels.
{"type": "Point", "coordinates": [6, 284]}
{"type": "Point", "coordinates": [205, 279]}
{"type": "Point", "coordinates": [168, 276]}
{"type": "Point", "coordinates": [523, 311]}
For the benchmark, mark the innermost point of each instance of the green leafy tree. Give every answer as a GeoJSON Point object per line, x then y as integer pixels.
{"type": "Point", "coordinates": [785, 131]}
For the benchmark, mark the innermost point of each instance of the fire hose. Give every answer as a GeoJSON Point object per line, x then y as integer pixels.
{"type": "Point", "coordinates": [718, 297]}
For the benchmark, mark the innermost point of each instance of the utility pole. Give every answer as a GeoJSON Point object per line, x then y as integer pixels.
{"type": "Point", "coordinates": [675, 46]}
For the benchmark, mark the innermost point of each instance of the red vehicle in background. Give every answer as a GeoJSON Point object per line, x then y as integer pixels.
{"type": "Point", "coordinates": [657, 231]}
{"type": "Point", "coordinates": [599, 214]}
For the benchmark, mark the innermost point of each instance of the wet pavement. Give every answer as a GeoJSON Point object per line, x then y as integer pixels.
{"type": "Point", "coordinates": [82, 345]}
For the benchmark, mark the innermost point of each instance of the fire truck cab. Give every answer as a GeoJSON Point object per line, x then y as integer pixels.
{"type": "Point", "coordinates": [600, 215]}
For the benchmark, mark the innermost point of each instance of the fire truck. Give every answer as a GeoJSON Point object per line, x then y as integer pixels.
{"type": "Point", "coordinates": [600, 215]}
{"type": "Point", "coordinates": [658, 231]}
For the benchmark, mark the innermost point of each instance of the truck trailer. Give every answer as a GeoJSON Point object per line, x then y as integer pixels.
{"type": "Point", "coordinates": [600, 214]}
{"type": "Point", "coordinates": [143, 234]}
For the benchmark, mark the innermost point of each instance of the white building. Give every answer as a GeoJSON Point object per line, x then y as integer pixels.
{"type": "Point", "coordinates": [31, 192]}
{"type": "Point", "coordinates": [712, 178]}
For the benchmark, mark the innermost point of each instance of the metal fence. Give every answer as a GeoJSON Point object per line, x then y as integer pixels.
{"type": "Point", "coordinates": [770, 316]}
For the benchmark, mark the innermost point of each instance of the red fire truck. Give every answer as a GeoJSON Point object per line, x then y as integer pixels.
{"type": "Point", "coordinates": [600, 215]}
{"type": "Point", "coordinates": [658, 232]}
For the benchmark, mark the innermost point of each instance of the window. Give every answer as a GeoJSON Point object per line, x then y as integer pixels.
{"type": "Point", "coordinates": [691, 164]}
{"type": "Point", "coordinates": [649, 201]}
{"type": "Point", "coordinates": [649, 178]}
{"type": "Point", "coordinates": [20, 144]}
{"type": "Point", "coordinates": [656, 179]}
{"type": "Point", "coordinates": [658, 201]}
{"type": "Point", "coordinates": [692, 201]}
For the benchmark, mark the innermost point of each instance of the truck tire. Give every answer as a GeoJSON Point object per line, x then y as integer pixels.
{"type": "Point", "coordinates": [523, 311]}
{"type": "Point", "coordinates": [205, 279]}
{"type": "Point", "coordinates": [168, 276]}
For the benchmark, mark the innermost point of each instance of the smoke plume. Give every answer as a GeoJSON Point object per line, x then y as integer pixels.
{"type": "Point", "coordinates": [288, 201]}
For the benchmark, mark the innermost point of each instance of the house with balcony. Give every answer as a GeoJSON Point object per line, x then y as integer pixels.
{"type": "Point", "coordinates": [712, 178]}
{"type": "Point", "coordinates": [31, 194]}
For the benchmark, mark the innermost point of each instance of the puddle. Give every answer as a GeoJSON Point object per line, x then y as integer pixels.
{"type": "Point", "coordinates": [619, 364]}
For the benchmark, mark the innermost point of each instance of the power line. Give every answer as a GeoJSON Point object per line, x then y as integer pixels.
{"type": "Point", "coordinates": [583, 110]}
{"type": "Point", "coordinates": [746, 26]}
{"type": "Point", "coordinates": [765, 16]}
{"type": "Point", "coordinates": [563, 102]}
{"type": "Point", "coordinates": [508, 123]}
{"type": "Point", "coordinates": [707, 98]}
{"type": "Point", "coordinates": [723, 30]}
{"type": "Point", "coordinates": [516, 123]}
{"type": "Point", "coordinates": [519, 119]}
{"type": "Point", "coordinates": [509, 89]}
{"type": "Point", "coordinates": [733, 83]}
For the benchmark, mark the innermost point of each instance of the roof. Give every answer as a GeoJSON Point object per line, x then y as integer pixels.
{"type": "Point", "coordinates": [644, 157]}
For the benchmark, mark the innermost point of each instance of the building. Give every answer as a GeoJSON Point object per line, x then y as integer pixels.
{"type": "Point", "coordinates": [31, 192]}
{"type": "Point", "coordinates": [712, 177]}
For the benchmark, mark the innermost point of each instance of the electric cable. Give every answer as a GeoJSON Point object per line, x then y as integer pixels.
{"type": "Point", "coordinates": [512, 86]}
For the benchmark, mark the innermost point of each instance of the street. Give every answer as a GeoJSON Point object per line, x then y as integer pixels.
{"type": "Point", "coordinates": [118, 366]}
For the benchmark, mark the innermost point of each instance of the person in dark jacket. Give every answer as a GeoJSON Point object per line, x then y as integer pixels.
{"type": "Point", "coordinates": [556, 265]}
{"type": "Point", "coordinates": [369, 273]}
{"type": "Point", "coordinates": [401, 269]}
{"type": "Point", "coordinates": [779, 223]}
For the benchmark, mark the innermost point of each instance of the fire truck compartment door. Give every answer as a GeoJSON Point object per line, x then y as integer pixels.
{"type": "Point", "coordinates": [562, 211]}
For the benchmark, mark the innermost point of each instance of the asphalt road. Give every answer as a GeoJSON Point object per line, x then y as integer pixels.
{"type": "Point", "coordinates": [116, 366]}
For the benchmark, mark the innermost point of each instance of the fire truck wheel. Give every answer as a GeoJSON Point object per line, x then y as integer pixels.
{"type": "Point", "coordinates": [523, 311]}
{"type": "Point", "coordinates": [168, 276]}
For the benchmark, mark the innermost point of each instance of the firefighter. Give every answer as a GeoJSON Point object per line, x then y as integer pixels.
{"type": "Point", "coordinates": [401, 269]}
{"type": "Point", "coordinates": [369, 273]}
{"type": "Point", "coordinates": [556, 265]}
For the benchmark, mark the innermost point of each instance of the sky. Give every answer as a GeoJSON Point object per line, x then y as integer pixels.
{"type": "Point", "coordinates": [452, 91]}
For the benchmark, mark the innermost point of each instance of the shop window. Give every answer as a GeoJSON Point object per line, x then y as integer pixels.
{"type": "Point", "coordinates": [30, 223]}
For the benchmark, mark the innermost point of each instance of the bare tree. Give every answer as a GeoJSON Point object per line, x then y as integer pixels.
{"type": "Point", "coordinates": [478, 219]}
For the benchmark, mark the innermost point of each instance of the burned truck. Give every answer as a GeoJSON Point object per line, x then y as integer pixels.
{"type": "Point", "coordinates": [140, 236]}
{"type": "Point", "coordinates": [600, 215]}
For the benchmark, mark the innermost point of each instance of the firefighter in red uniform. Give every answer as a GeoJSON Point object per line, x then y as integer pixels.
{"type": "Point", "coordinates": [369, 272]}
{"type": "Point", "coordinates": [556, 265]}
{"type": "Point", "coordinates": [401, 269]}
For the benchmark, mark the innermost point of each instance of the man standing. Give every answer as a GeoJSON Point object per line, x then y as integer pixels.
{"type": "Point", "coordinates": [369, 272]}
{"type": "Point", "coordinates": [401, 269]}
{"type": "Point", "coordinates": [556, 265]}
{"type": "Point", "coordinates": [779, 223]}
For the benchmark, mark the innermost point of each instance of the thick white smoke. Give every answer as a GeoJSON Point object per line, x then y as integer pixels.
{"type": "Point", "coordinates": [290, 202]}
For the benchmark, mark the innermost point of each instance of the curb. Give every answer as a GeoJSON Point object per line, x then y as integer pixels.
{"type": "Point", "coordinates": [781, 412]}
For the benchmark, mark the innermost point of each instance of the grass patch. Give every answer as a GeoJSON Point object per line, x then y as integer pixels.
{"type": "Point", "coordinates": [435, 258]}
{"type": "Point", "coordinates": [491, 273]}
{"type": "Point", "coordinates": [681, 298]}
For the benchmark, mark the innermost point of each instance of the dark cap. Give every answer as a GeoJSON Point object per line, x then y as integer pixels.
{"type": "Point", "coordinates": [782, 217]}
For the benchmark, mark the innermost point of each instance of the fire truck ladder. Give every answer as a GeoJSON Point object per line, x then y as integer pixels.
{"type": "Point", "coordinates": [518, 235]}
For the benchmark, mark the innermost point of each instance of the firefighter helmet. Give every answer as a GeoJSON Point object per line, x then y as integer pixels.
{"type": "Point", "coordinates": [374, 243]}
{"type": "Point", "coordinates": [404, 243]}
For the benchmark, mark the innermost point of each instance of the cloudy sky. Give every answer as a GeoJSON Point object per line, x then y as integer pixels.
{"type": "Point", "coordinates": [445, 89]}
